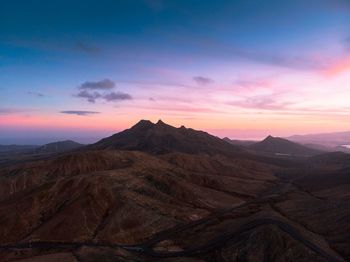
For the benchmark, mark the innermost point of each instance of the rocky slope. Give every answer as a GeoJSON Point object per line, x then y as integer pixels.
{"type": "Point", "coordinates": [161, 138]}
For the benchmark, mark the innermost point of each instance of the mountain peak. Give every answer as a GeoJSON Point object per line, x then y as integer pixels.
{"type": "Point", "coordinates": [162, 138]}
{"type": "Point", "coordinates": [143, 124]}
{"type": "Point", "coordinates": [160, 122]}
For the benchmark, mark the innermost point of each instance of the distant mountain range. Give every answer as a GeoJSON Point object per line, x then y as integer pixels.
{"type": "Point", "coordinates": [326, 142]}
{"type": "Point", "coordinates": [17, 148]}
{"type": "Point", "coordinates": [276, 146]}
{"type": "Point", "coordinates": [15, 153]}
{"type": "Point", "coordinates": [281, 146]}
{"type": "Point", "coordinates": [329, 141]}
{"type": "Point", "coordinates": [160, 138]}
{"type": "Point", "coordinates": [56, 147]}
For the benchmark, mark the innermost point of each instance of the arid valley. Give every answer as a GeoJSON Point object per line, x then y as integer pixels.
{"type": "Point", "coordinates": [160, 193]}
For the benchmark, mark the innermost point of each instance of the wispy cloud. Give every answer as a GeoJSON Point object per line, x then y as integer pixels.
{"type": "Point", "coordinates": [8, 111]}
{"type": "Point", "coordinates": [245, 82]}
{"type": "Point", "coordinates": [105, 84]}
{"type": "Point", "coordinates": [346, 43]}
{"type": "Point", "coordinates": [35, 94]}
{"type": "Point", "coordinates": [218, 49]}
{"type": "Point", "coordinates": [5, 111]}
{"type": "Point", "coordinates": [202, 80]}
{"type": "Point", "coordinates": [79, 112]}
{"type": "Point", "coordinates": [86, 48]}
{"type": "Point", "coordinates": [291, 62]}
{"type": "Point", "coordinates": [261, 102]}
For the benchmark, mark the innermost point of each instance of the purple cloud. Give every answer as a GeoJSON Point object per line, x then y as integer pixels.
{"type": "Point", "coordinates": [90, 97]}
{"type": "Point", "coordinates": [104, 84]}
{"type": "Point", "coordinates": [115, 96]}
{"type": "Point", "coordinates": [101, 93]}
{"type": "Point", "coordinates": [79, 112]}
{"type": "Point", "coordinates": [201, 80]}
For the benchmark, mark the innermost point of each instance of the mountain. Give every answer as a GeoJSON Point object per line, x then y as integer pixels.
{"type": "Point", "coordinates": [330, 140]}
{"type": "Point", "coordinates": [281, 146]}
{"type": "Point", "coordinates": [161, 138]}
{"type": "Point", "coordinates": [345, 149]}
{"type": "Point", "coordinates": [58, 147]}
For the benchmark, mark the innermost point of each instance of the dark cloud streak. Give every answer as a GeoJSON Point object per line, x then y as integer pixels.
{"type": "Point", "coordinates": [202, 80]}
{"type": "Point", "coordinates": [35, 94]}
{"type": "Point", "coordinates": [86, 48]}
{"type": "Point", "coordinates": [105, 84]}
{"type": "Point", "coordinates": [79, 112]}
{"type": "Point", "coordinates": [6, 111]}
{"type": "Point", "coordinates": [115, 96]}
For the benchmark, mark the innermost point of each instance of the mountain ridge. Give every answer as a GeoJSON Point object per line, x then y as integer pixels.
{"type": "Point", "coordinates": [282, 146]}
{"type": "Point", "coordinates": [160, 138]}
{"type": "Point", "coordinates": [58, 147]}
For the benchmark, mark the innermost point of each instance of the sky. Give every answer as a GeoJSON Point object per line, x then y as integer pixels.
{"type": "Point", "coordinates": [238, 68]}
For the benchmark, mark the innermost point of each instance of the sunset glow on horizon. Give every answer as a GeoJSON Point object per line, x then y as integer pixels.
{"type": "Point", "coordinates": [242, 69]}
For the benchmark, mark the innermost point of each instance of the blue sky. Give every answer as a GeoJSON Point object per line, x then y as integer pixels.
{"type": "Point", "coordinates": [264, 62]}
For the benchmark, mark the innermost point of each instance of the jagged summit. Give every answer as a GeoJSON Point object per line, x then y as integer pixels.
{"type": "Point", "coordinates": [143, 123]}
{"type": "Point", "coordinates": [148, 124]}
{"type": "Point", "coordinates": [162, 138]}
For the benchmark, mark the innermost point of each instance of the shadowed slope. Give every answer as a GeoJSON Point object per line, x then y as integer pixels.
{"type": "Point", "coordinates": [161, 138]}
